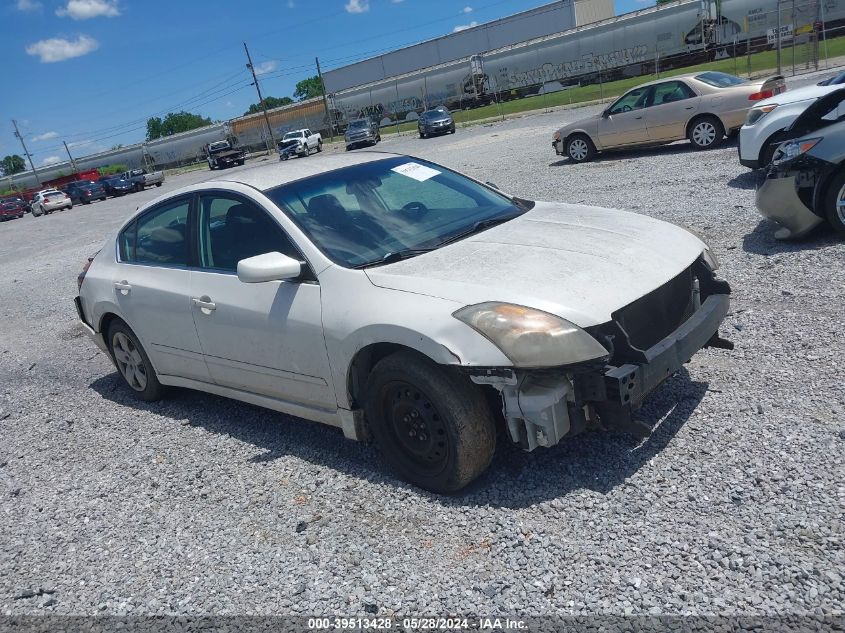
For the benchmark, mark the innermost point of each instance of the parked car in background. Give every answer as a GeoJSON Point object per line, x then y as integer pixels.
{"type": "Point", "coordinates": [10, 209]}
{"type": "Point", "coordinates": [49, 200]}
{"type": "Point", "coordinates": [141, 178]}
{"type": "Point", "coordinates": [805, 184]}
{"type": "Point", "coordinates": [434, 122]}
{"type": "Point", "coordinates": [221, 154]}
{"type": "Point", "coordinates": [389, 295]}
{"type": "Point", "coordinates": [300, 143]}
{"type": "Point", "coordinates": [116, 186]}
{"type": "Point", "coordinates": [17, 201]}
{"type": "Point", "coordinates": [765, 125]}
{"type": "Point", "coordinates": [361, 132]}
{"type": "Point", "coordinates": [702, 107]}
{"type": "Point", "coordinates": [85, 191]}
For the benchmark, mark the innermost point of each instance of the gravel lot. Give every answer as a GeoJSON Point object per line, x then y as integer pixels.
{"type": "Point", "coordinates": [201, 505]}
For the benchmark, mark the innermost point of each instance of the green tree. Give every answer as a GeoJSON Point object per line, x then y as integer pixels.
{"type": "Point", "coordinates": [12, 165]}
{"type": "Point", "coordinates": [308, 88]}
{"type": "Point", "coordinates": [269, 103]}
{"type": "Point", "coordinates": [174, 123]}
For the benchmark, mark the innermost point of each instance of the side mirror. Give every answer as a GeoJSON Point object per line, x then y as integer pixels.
{"type": "Point", "coordinates": [605, 114]}
{"type": "Point", "coordinates": [268, 267]}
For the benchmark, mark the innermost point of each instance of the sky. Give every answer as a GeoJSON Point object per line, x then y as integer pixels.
{"type": "Point", "coordinates": [91, 72]}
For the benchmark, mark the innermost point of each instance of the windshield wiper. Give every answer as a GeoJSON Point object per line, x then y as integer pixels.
{"type": "Point", "coordinates": [479, 226]}
{"type": "Point", "coordinates": [396, 256]}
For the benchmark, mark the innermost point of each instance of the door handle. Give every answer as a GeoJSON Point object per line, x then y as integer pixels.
{"type": "Point", "coordinates": [204, 303]}
{"type": "Point", "coordinates": [637, 118]}
{"type": "Point", "coordinates": [123, 286]}
{"type": "Point", "coordinates": [690, 108]}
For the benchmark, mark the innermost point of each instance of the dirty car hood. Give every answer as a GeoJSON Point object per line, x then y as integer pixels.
{"type": "Point", "coordinates": [579, 262]}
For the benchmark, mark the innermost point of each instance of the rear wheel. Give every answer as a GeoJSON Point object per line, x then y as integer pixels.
{"type": "Point", "coordinates": [132, 363]}
{"type": "Point", "coordinates": [835, 203]}
{"type": "Point", "coordinates": [158, 184]}
{"type": "Point", "coordinates": [580, 148]}
{"type": "Point", "coordinates": [706, 132]}
{"type": "Point", "coordinates": [319, 146]}
{"type": "Point", "coordinates": [433, 426]}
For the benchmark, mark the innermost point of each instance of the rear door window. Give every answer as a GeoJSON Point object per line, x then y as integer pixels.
{"type": "Point", "coordinates": [159, 237]}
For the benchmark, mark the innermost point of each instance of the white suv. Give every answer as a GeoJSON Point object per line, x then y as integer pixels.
{"type": "Point", "coordinates": [763, 130]}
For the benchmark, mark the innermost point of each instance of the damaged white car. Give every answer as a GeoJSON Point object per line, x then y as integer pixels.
{"type": "Point", "coordinates": [395, 298]}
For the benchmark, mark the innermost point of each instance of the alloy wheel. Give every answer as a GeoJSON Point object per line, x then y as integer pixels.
{"type": "Point", "coordinates": [129, 361]}
{"type": "Point", "coordinates": [840, 205]}
{"type": "Point", "coordinates": [418, 429]}
{"type": "Point", "coordinates": [578, 149]}
{"type": "Point", "coordinates": [704, 134]}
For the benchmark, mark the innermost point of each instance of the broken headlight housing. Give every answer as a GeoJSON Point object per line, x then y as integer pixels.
{"type": "Point", "coordinates": [793, 149]}
{"type": "Point", "coordinates": [529, 337]}
{"type": "Point", "coordinates": [755, 114]}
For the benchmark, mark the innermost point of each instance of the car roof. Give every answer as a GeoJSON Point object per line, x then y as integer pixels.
{"type": "Point", "coordinates": [274, 175]}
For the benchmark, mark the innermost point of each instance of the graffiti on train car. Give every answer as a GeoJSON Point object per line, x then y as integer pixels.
{"type": "Point", "coordinates": [586, 64]}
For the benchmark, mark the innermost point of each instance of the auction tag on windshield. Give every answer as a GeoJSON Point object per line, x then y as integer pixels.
{"type": "Point", "coordinates": [416, 171]}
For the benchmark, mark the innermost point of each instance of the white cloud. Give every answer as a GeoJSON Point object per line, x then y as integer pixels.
{"type": "Point", "coordinates": [50, 160]}
{"type": "Point", "coordinates": [28, 5]}
{"type": "Point", "coordinates": [58, 49]}
{"type": "Point", "coordinates": [464, 27]}
{"type": "Point", "coordinates": [357, 6]}
{"type": "Point", "coordinates": [265, 67]}
{"type": "Point", "coordinates": [466, 10]}
{"type": "Point", "coordinates": [45, 137]}
{"type": "Point", "coordinates": [80, 143]}
{"type": "Point", "coordinates": [87, 9]}
{"type": "Point", "coordinates": [291, 4]}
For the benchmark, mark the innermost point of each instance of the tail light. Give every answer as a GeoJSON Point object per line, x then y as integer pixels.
{"type": "Point", "coordinates": [81, 277]}
{"type": "Point", "coordinates": [763, 94]}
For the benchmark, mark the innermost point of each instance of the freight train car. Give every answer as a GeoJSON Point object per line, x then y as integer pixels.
{"type": "Point", "coordinates": [638, 43]}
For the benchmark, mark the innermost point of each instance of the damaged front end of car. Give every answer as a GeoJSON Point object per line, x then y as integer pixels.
{"type": "Point", "coordinates": [645, 343]}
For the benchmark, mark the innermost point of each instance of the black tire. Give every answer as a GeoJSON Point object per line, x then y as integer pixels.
{"type": "Point", "coordinates": [152, 388]}
{"type": "Point", "coordinates": [319, 146]}
{"type": "Point", "coordinates": [580, 148]}
{"type": "Point", "coordinates": [84, 201]}
{"type": "Point", "coordinates": [453, 436]}
{"type": "Point", "coordinates": [158, 184]}
{"type": "Point", "coordinates": [422, 135]}
{"type": "Point", "coordinates": [706, 132]}
{"type": "Point", "coordinates": [834, 203]}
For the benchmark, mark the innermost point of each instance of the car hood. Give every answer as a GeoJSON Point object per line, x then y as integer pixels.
{"type": "Point", "coordinates": [443, 119]}
{"type": "Point", "coordinates": [799, 94]}
{"type": "Point", "coordinates": [357, 131]}
{"type": "Point", "coordinates": [581, 124]}
{"type": "Point", "coordinates": [578, 262]}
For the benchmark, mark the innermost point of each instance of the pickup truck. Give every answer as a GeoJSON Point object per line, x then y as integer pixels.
{"type": "Point", "coordinates": [222, 154]}
{"type": "Point", "coordinates": [299, 142]}
{"type": "Point", "coordinates": [140, 178]}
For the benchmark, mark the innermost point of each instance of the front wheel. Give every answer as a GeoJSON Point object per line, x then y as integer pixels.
{"type": "Point", "coordinates": [433, 426]}
{"type": "Point", "coordinates": [133, 363]}
{"type": "Point", "coordinates": [580, 149]}
{"type": "Point", "coordinates": [835, 203]}
{"type": "Point", "coordinates": [158, 184]}
{"type": "Point", "coordinates": [706, 133]}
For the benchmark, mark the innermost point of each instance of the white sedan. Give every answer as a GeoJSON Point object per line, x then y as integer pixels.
{"type": "Point", "coordinates": [49, 200]}
{"type": "Point", "coordinates": [395, 298]}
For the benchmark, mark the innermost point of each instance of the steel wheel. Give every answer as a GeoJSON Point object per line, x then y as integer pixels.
{"type": "Point", "coordinates": [417, 427]}
{"type": "Point", "coordinates": [129, 361]}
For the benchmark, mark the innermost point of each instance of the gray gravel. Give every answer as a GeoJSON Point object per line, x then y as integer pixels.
{"type": "Point", "coordinates": [201, 505]}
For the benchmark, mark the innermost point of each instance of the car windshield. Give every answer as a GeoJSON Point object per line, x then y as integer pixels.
{"type": "Point", "coordinates": [834, 81]}
{"type": "Point", "coordinates": [388, 209]}
{"type": "Point", "coordinates": [291, 135]}
{"type": "Point", "coordinates": [213, 147]}
{"type": "Point", "coordinates": [358, 124]}
{"type": "Point", "coordinates": [720, 80]}
{"type": "Point", "coordinates": [433, 114]}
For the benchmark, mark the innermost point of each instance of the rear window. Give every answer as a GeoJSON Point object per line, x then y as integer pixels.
{"type": "Point", "coordinates": [720, 80]}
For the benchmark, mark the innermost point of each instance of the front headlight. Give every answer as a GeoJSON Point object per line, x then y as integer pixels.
{"type": "Point", "coordinates": [556, 136]}
{"type": "Point", "coordinates": [793, 149]}
{"type": "Point", "coordinates": [531, 338]}
{"type": "Point", "coordinates": [755, 114]}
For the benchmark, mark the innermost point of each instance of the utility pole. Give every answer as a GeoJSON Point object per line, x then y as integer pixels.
{"type": "Point", "coordinates": [26, 151]}
{"type": "Point", "coordinates": [72, 162]}
{"type": "Point", "coordinates": [260, 101]}
{"type": "Point", "coordinates": [329, 116]}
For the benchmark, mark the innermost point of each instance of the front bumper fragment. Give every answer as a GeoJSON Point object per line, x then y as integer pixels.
{"type": "Point", "coordinates": [777, 199]}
